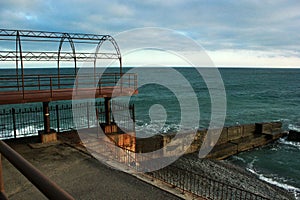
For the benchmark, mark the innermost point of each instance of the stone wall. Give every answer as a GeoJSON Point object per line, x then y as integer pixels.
{"type": "Point", "coordinates": [232, 140]}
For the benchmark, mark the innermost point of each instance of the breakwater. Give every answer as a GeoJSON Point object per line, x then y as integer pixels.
{"type": "Point", "coordinates": [232, 140]}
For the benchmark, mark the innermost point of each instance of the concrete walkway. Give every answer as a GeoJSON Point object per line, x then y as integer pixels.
{"type": "Point", "coordinates": [79, 174]}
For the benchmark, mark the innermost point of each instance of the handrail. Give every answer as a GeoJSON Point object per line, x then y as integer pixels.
{"type": "Point", "coordinates": [50, 189]}
{"type": "Point", "coordinates": [203, 185]}
{"type": "Point", "coordinates": [48, 83]}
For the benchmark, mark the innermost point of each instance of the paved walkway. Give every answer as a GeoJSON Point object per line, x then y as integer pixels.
{"type": "Point", "coordinates": [79, 174]}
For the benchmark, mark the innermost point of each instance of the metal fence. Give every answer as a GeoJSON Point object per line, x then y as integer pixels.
{"type": "Point", "coordinates": [183, 179]}
{"type": "Point", "coordinates": [27, 121]}
{"type": "Point", "coordinates": [201, 185]}
{"type": "Point", "coordinates": [49, 83]}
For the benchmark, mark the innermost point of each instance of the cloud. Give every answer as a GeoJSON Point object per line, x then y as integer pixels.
{"type": "Point", "coordinates": [250, 58]}
{"type": "Point", "coordinates": [119, 10]}
{"type": "Point", "coordinates": [253, 25]}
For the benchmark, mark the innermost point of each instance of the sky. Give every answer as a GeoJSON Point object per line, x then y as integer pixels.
{"type": "Point", "coordinates": [243, 33]}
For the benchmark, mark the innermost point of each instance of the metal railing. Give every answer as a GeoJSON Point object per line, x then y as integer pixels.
{"type": "Point", "coordinates": [26, 121]}
{"type": "Point", "coordinates": [49, 83]}
{"type": "Point", "coordinates": [110, 151]}
{"type": "Point", "coordinates": [201, 185]}
{"type": "Point", "coordinates": [183, 179]}
{"type": "Point", "coordinates": [50, 189]}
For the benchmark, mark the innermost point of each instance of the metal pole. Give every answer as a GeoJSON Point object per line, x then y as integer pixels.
{"type": "Point", "coordinates": [121, 78]}
{"type": "Point", "coordinates": [107, 110]}
{"type": "Point", "coordinates": [133, 117]}
{"type": "Point", "coordinates": [95, 63]}
{"type": "Point", "coordinates": [13, 111]}
{"type": "Point", "coordinates": [46, 117]}
{"type": "Point", "coordinates": [51, 91]}
{"type": "Point", "coordinates": [22, 66]}
{"type": "Point", "coordinates": [88, 114]}
{"type": "Point", "coordinates": [58, 59]}
{"type": "Point", "coordinates": [17, 64]}
{"type": "Point", "coordinates": [133, 113]}
{"type": "Point", "coordinates": [57, 118]}
{"type": "Point", "coordinates": [39, 82]}
{"type": "Point", "coordinates": [50, 189]}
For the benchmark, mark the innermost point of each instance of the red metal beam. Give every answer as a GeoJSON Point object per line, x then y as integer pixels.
{"type": "Point", "coordinates": [50, 189]}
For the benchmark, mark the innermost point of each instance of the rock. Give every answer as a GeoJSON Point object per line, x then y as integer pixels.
{"type": "Point", "coordinates": [294, 136]}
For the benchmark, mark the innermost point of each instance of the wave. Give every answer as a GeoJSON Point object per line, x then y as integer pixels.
{"type": "Point", "coordinates": [294, 190]}
{"type": "Point", "coordinates": [290, 143]}
{"type": "Point", "coordinates": [294, 127]}
{"type": "Point", "coordinates": [154, 128]}
{"type": "Point", "coordinates": [239, 158]}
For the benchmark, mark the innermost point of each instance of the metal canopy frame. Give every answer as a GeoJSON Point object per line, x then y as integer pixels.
{"type": "Point", "coordinates": [20, 56]}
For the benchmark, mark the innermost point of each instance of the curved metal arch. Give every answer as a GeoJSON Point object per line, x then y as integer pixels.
{"type": "Point", "coordinates": [115, 45]}
{"type": "Point", "coordinates": [63, 37]}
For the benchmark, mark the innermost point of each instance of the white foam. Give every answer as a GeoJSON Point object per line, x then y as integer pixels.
{"type": "Point", "coordinates": [150, 129]}
{"type": "Point", "coordinates": [294, 127]}
{"type": "Point", "coordinates": [239, 158]}
{"type": "Point", "coordinates": [290, 143]}
{"type": "Point", "coordinates": [28, 131]}
{"type": "Point", "coordinates": [292, 189]}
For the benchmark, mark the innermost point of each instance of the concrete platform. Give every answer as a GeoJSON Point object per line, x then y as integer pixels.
{"type": "Point", "coordinates": [78, 173]}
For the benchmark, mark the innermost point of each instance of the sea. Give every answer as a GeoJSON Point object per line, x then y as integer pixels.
{"type": "Point", "coordinates": [252, 95]}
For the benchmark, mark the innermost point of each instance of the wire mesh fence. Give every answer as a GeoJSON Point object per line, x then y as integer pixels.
{"type": "Point", "coordinates": [27, 121]}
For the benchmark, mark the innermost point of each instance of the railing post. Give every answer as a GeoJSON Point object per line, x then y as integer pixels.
{"type": "Point", "coordinates": [107, 110]}
{"type": "Point", "coordinates": [46, 117]}
{"type": "Point", "coordinates": [88, 114]}
{"type": "Point", "coordinates": [129, 81]}
{"type": "Point", "coordinates": [135, 81]}
{"type": "Point", "coordinates": [121, 81]}
{"type": "Point", "coordinates": [39, 82]}
{"type": "Point", "coordinates": [133, 113]}
{"type": "Point", "coordinates": [99, 84]}
{"type": "Point", "coordinates": [133, 116]}
{"type": "Point", "coordinates": [76, 83]}
{"type": "Point", "coordinates": [57, 118]}
{"type": "Point", "coordinates": [13, 112]}
{"type": "Point", "coordinates": [23, 88]}
{"type": "Point", "coordinates": [51, 87]}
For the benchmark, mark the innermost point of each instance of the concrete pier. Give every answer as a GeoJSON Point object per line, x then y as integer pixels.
{"type": "Point", "coordinates": [233, 140]}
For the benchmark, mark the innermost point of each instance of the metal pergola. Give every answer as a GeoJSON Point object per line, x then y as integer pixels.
{"type": "Point", "coordinates": [19, 56]}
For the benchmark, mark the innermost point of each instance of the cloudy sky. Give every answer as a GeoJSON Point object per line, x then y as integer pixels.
{"type": "Point", "coordinates": [233, 32]}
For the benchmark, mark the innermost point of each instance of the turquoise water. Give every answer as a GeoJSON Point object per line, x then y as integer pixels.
{"type": "Point", "coordinates": [253, 95]}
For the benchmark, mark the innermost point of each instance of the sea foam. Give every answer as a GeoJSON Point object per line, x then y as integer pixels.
{"type": "Point", "coordinates": [294, 190]}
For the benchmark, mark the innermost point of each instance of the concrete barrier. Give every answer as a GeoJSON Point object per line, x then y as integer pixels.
{"type": "Point", "coordinates": [234, 132]}
{"type": "Point", "coordinates": [145, 145]}
{"type": "Point", "coordinates": [248, 130]}
{"type": "Point", "coordinates": [232, 140]}
{"type": "Point", "coordinates": [222, 151]}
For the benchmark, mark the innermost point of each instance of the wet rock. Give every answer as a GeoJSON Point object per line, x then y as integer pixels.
{"type": "Point", "coordinates": [294, 136]}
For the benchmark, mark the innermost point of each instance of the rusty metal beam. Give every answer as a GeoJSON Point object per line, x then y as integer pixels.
{"type": "Point", "coordinates": [50, 189]}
